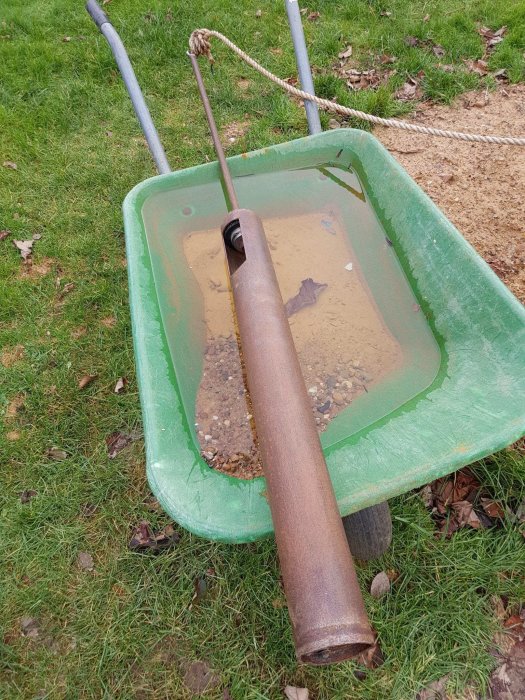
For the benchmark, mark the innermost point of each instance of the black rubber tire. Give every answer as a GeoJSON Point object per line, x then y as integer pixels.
{"type": "Point", "coordinates": [369, 531]}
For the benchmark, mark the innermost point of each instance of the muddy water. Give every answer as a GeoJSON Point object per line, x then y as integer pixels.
{"type": "Point", "coordinates": [343, 343]}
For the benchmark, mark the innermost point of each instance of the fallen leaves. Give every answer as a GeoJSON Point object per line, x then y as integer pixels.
{"type": "Point", "coordinates": [346, 53]}
{"type": "Point", "coordinates": [306, 296]}
{"type": "Point", "coordinates": [56, 454]}
{"type": "Point", "coordinates": [85, 561]}
{"type": "Point", "coordinates": [26, 496]}
{"type": "Point", "coordinates": [4, 234]}
{"type": "Point", "coordinates": [120, 386]}
{"type": "Point", "coordinates": [86, 380]}
{"type": "Point", "coordinates": [313, 16]}
{"type": "Point", "coordinates": [292, 692]}
{"type": "Point", "coordinates": [458, 501]}
{"type": "Point", "coordinates": [410, 90]}
{"type": "Point", "coordinates": [144, 539]}
{"type": "Point", "coordinates": [14, 406]}
{"type": "Point", "coordinates": [10, 165]}
{"type": "Point", "coordinates": [380, 585]}
{"type": "Point", "coordinates": [116, 442]}
{"type": "Point", "coordinates": [199, 677]}
{"type": "Point", "coordinates": [29, 627]}
{"type": "Point", "coordinates": [478, 66]}
{"type": "Point", "coordinates": [25, 248]}
{"type": "Point", "coordinates": [492, 38]}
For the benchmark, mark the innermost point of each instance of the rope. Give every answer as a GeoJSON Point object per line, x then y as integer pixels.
{"type": "Point", "coordinates": [200, 45]}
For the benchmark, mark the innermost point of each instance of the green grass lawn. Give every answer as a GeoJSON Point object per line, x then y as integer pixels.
{"type": "Point", "coordinates": [127, 629]}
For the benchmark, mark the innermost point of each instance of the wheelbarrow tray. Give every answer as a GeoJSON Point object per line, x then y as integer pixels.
{"type": "Point", "coordinates": [472, 408]}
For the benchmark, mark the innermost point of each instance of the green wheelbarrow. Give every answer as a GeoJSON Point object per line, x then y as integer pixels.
{"type": "Point", "coordinates": [454, 397]}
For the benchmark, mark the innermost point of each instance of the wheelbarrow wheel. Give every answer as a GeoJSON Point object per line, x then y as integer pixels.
{"type": "Point", "coordinates": [369, 531]}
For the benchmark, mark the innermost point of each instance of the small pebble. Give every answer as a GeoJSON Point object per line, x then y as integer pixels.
{"type": "Point", "coordinates": [312, 390]}
{"type": "Point", "coordinates": [338, 398]}
{"type": "Point", "coordinates": [207, 438]}
{"type": "Point", "coordinates": [227, 423]}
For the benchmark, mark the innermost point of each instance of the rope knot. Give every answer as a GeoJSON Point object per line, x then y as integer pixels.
{"type": "Point", "coordinates": [200, 43]}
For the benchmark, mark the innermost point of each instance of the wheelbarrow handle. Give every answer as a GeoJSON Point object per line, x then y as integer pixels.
{"type": "Point", "coordinates": [97, 13]}
{"type": "Point", "coordinates": [132, 86]}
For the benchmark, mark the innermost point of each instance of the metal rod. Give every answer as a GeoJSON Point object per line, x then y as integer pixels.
{"type": "Point", "coordinates": [130, 80]}
{"type": "Point", "coordinates": [226, 175]}
{"type": "Point", "coordinates": [303, 64]}
{"type": "Point", "coordinates": [324, 600]}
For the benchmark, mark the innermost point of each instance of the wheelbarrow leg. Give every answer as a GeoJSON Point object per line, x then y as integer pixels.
{"type": "Point", "coordinates": [369, 532]}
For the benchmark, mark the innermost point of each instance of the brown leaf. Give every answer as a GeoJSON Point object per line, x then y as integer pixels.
{"type": "Point", "coordinates": [116, 442]}
{"type": "Point", "coordinates": [84, 381]}
{"type": "Point", "coordinates": [386, 59]}
{"type": "Point", "coordinates": [380, 585]}
{"type": "Point", "coordinates": [4, 234]}
{"type": "Point", "coordinates": [346, 53]}
{"type": "Point", "coordinates": [411, 41]}
{"type": "Point", "coordinates": [438, 50]}
{"type": "Point", "coordinates": [258, 13]}
{"type": "Point", "coordinates": [24, 247]}
{"type": "Point", "coordinates": [435, 690]}
{"type": "Point", "coordinates": [85, 561]}
{"type": "Point", "coordinates": [120, 386]}
{"type": "Point", "coordinates": [294, 693]}
{"type": "Point", "coordinates": [513, 621]}
{"type": "Point", "coordinates": [384, 13]}
{"type": "Point", "coordinates": [145, 540]}
{"type": "Point", "coordinates": [30, 627]}
{"type": "Point", "coordinates": [66, 289]}
{"type": "Point", "coordinates": [26, 496]}
{"type": "Point", "coordinates": [9, 164]}
{"type": "Point", "coordinates": [307, 296]}
{"type": "Point", "coordinates": [66, 39]}
{"type": "Point", "coordinates": [313, 16]}
{"type": "Point", "coordinates": [200, 586]}
{"type": "Point", "coordinates": [427, 496]}
{"type": "Point", "coordinates": [478, 66]}
{"type": "Point", "coordinates": [466, 515]}
{"type": "Point", "coordinates": [492, 508]}
{"type": "Point", "coordinates": [426, 18]}
{"type": "Point", "coordinates": [372, 657]}
{"type": "Point", "coordinates": [56, 454]}
{"type": "Point", "coordinates": [199, 677]}
{"type": "Point", "coordinates": [501, 75]}
{"type": "Point", "coordinates": [409, 91]}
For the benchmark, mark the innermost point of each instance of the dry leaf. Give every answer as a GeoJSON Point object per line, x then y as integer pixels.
{"type": "Point", "coordinates": [479, 66]}
{"type": "Point", "coordinates": [29, 627]}
{"type": "Point", "coordinates": [385, 59]}
{"type": "Point", "coordinates": [426, 18]}
{"type": "Point", "coordinates": [380, 585]}
{"type": "Point", "coordinates": [120, 386]}
{"type": "Point", "coordinates": [411, 41]}
{"type": "Point", "coordinates": [84, 381]}
{"type": "Point", "coordinates": [435, 690]}
{"type": "Point", "coordinates": [116, 442]}
{"type": "Point", "coordinates": [4, 234]}
{"type": "Point", "coordinates": [145, 540]}
{"type": "Point", "coordinates": [9, 164]}
{"type": "Point", "coordinates": [200, 586]}
{"type": "Point", "coordinates": [85, 561]}
{"type": "Point", "coordinates": [26, 496]}
{"type": "Point", "coordinates": [24, 247]}
{"type": "Point", "coordinates": [56, 454]}
{"type": "Point", "coordinates": [307, 296]}
{"type": "Point", "coordinates": [409, 91]}
{"type": "Point", "coordinates": [293, 693]}
{"type": "Point", "coordinates": [427, 496]}
{"type": "Point", "coordinates": [466, 515]}
{"type": "Point", "coordinates": [346, 53]}
{"type": "Point", "coordinates": [106, 2]}
{"type": "Point", "coordinates": [66, 39]}
{"type": "Point", "coordinates": [199, 677]}
{"type": "Point", "coordinates": [372, 657]}
{"type": "Point", "coordinates": [258, 13]}
{"type": "Point", "coordinates": [384, 13]}
{"type": "Point", "coordinates": [492, 508]}
{"type": "Point", "coordinates": [438, 50]}
{"type": "Point", "coordinates": [14, 406]}
{"type": "Point", "coordinates": [313, 16]}
{"type": "Point", "coordinates": [447, 177]}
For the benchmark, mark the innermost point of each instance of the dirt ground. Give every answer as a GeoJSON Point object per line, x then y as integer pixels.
{"type": "Point", "coordinates": [479, 187]}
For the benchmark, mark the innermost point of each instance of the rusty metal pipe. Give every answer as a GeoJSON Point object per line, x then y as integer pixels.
{"type": "Point", "coordinates": [326, 608]}
{"type": "Point", "coordinates": [324, 600]}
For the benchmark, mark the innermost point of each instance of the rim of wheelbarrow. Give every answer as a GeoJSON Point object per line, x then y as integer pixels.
{"type": "Point", "coordinates": [471, 410]}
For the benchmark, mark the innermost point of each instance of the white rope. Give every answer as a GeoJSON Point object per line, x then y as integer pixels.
{"type": "Point", "coordinates": [200, 44]}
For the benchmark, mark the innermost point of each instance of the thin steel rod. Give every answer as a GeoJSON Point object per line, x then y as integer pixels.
{"type": "Point", "coordinates": [132, 86]}
{"type": "Point", "coordinates": [303, 64]}
{"type": "Point", "coordinates": [226, 175]}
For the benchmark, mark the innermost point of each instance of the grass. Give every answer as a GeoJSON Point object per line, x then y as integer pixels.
{"type": "Point", "coordinates": [126, 629]}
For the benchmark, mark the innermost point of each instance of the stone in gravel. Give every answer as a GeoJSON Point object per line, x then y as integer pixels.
{"type": "Point", "coordinates": [338, 398]}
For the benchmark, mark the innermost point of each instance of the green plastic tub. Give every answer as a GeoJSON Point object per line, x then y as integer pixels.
{"type": "Point", "coordinates": [458, 395]}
